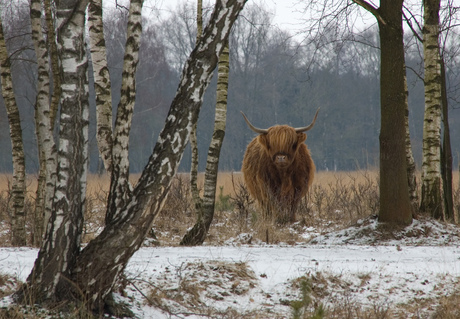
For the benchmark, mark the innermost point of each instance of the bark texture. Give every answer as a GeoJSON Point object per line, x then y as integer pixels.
{"type": "Point", "coordinates": [193, 138]}
{"type": "Point", "coordinates": [102, 84]}
{"type": "Point", "coordinates": [432, 201]}
{"type": "Point", "coordinates": [43, 127]}
{"type": "Point", "coordinates": [49, 279]}
{"type": "Point", "coordinates": [446, 152]}
{"type": "Point", "coordinates": [18, 186]}
{"type": "Point", "coordinates": [120, 187]}
{"type": "Point", "coordinates": [411, 176]}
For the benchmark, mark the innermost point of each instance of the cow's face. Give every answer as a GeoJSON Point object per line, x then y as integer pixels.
{"type": "Point", "coordinates": [281, 143]}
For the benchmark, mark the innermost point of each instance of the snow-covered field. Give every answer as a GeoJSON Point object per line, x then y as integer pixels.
{"type": "Point", "coordinates": [357, 266]}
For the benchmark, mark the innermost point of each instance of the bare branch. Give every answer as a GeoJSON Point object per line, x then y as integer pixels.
{"type": "Point", "coordinates": [369, 7]}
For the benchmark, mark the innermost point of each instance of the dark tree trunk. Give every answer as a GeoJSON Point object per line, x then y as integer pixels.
{"type": "Point", "coordinates": [446, 151]}
{"type": "Point", "coordinates": [395, 206]}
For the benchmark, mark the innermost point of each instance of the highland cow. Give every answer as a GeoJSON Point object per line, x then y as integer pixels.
{"type": "Point", "coordinates": [278, 169]}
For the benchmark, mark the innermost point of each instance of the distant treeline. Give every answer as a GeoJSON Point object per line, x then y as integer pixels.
{"type": "Point", "coordinates": [274, 79]}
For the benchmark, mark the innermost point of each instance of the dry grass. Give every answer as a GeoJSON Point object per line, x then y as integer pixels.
{"type": "Point", "coordinates": [193, 287]}
{"type": "Point", "coordinates": [336, 200]}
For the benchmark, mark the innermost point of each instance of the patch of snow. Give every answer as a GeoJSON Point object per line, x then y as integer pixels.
{"type": "Point", "coordinates": [363, 264]}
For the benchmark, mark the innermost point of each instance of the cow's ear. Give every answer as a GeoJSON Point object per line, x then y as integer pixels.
{"type": "Point", "coordinates": [301, 137]}
{"type": "Point", "coordinates": [264, 141]}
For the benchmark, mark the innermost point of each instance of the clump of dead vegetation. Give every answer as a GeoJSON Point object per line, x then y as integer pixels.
{"type": "Point", "coordinates": [335, 201]}
{"type": "Point", "coordinates": [193, 287]}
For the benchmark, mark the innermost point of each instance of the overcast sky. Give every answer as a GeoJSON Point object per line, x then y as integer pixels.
{"type": "Point", "coordinates": [286, 13]}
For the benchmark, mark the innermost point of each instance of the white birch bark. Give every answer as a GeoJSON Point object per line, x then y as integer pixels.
{"type": "Point", "coordinates": [61, 244]}
{"type": "Point", "coordinates": [432, 200]}
{"type": "Point", "coordinates": [121, 189]}
{"type": "Point", "coordinates": [198, 233]}
{"type": "Point", "coordinates": [18, 186]}
{"type": "Point", "coordinates": [102, 84]}
{"type": "Point", "coordinates": [43, 127]}
{"type": "Point", "coordinates": [54, 59]}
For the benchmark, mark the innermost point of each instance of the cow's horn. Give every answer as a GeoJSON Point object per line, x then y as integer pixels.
{"type": "Point", "coordinates": [252, 127]}
{"type": "Point", "coordinates": [309, 127]}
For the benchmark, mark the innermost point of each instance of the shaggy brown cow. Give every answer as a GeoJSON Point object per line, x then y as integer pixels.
{"type": "Point", "coordinates": [278, 169]}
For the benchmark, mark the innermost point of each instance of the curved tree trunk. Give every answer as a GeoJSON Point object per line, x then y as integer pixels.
{"type": "Point", "coordinates": [432, 200]}
{"type": "Point", "coordinates": [198, 233]}
{"type": "Point", "coordinates": [18, 186]}
{"type": "Point", "coordinates": [104, 258]}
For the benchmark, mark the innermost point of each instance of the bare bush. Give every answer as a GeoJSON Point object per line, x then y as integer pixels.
{"type": "Point", "coordinates": [95, 209]}
{"type": "Point", "coordinates": [177, 213]}
{"type": "Point", "coordinates": [242, 202]}
{"type": "Point", "coordinates": [344, 200]}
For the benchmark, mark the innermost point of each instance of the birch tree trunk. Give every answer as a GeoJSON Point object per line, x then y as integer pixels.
{"type": "Point", "coordinates": [198, 233]}
{"type": "Point", "coordinates": [432, 201]}
{"type": "Point", "coordinates": [102, 84]}
{"type": "Point", "coordinates": [61, 272]}
{"type": "Point", "coordinates": [54, 58]}
{"type": "Point", "coordinates": [411, 176]}
{"type": "Point", "coordinates": [44, 124]}
{"type": "Point", "coordinates": [120, 187]}
{"type": "Point", "coordinates": [395, 205]}
{"type": "Point", "coordinates": [53, 267]}
{"type": "Point", "coordinates": [18, 186]}
{"type": "Point", "coordinates": [193, 138]}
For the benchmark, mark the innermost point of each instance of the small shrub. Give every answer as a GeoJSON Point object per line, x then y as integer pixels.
{"type": "Point", "coordinates": [300, 308]}
{"type": "Point", "coordinates": [223, 202]}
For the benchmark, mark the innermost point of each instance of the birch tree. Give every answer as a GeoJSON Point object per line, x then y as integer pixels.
{"type": "Point", "coordinates": [206, 205]}
{"type": "Point", "coordinates": [45, 114]}
{"type": "Point", "coordinates": [195, 192]}
{"type": "Point", "coordinates": [432, 200]}
{"type": "Point", "coordinates": [18, 186]}
{"type": "Point", "coordinates": [102, 84]}
{"type": "Point", "coordinates": [63, 272]}
{"type": "Point", "coordinates": [411, 168]}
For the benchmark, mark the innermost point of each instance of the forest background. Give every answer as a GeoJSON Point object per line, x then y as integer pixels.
{"type": "Point", "coordinates": [275, 78]}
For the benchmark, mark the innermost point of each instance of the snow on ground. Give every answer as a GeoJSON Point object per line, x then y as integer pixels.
{"type": "Point", "coordinates": [361, 265]}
